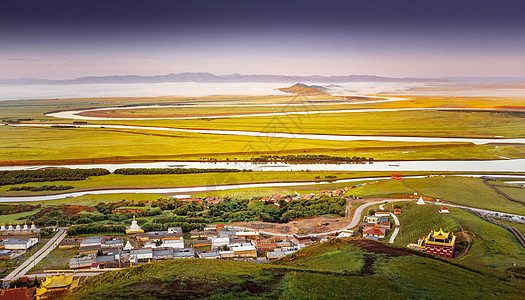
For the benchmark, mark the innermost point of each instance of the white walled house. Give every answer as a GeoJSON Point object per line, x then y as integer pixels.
{"type": "Point", "coordinates": [19, 244]}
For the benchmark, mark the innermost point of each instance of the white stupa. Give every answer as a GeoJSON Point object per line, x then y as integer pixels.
{"type": "Point", "coordinates": [18, 227]}
{"type": "Point", "coordinates": [25, 227]}
{"type": "Point", "coordinates": [420, 201]}
{"type": "Point", "coordinates": [3, 227]}
{"type": "Point", "coordinates": [134, 228]}
{"type": "Point", "coordinates": [128, 246]}
{"type": "Point", "coordinates": [10, 228]}
{"type": "Point", "coordinates": [33, 227]}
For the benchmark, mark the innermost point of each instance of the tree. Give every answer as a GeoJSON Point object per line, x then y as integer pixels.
{"type": "Point", "coordinates": [158, 242]}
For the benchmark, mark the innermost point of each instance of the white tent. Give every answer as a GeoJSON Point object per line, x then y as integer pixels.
{"type": "Point", "coordinates": [420, 201]}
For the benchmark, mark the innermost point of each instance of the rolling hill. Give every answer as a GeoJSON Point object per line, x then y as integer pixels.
{"type": "Point", "coordinates": [303, 89]}
{"type": "Point", "coordinates": [337, 269]}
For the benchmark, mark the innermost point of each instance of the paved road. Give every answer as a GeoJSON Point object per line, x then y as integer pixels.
{"type": "Point", "coordinates": [485, 211]}
{"type": "Point", "coordinates": [396, 230]}
{"type": "Point", "coordinates": [37, 257]}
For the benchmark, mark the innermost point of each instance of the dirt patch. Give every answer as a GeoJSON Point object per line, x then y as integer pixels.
{"type": "Point", "coordinates": [196, 288]}
{"type": "Point", "coordinates": [368, 268]}
{"type": "Point", "coordinates": [380, 248]}
{"type": "Point", "coordinates": [185, 288]}
{"type": "Point", "coordinates": [317, 224]}
{"type": "Point", "coordinates": [64, 211]}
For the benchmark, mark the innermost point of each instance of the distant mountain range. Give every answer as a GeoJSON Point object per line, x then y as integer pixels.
{"type": "Point", "coordinates": [208, 77]}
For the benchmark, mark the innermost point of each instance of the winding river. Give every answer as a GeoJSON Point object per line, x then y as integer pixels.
{"type": "Point", "coordinates": [75, 113]}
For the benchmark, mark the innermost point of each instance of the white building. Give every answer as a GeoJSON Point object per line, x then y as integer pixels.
{"type": "Point", "coordinates": [134, 228]}
{"type": "Point", "coordinates": [92, 241]}
{"type": "Point", "coordinates": [345, 233]}
{"type": "Point", "coordinates": [19, 244]}
{"type": "Point", "coordinates": [138, 254]}
{"type": "Point", "coordinates": [128, 246]}
{"type": "Point", "coordinates": [217, 242]}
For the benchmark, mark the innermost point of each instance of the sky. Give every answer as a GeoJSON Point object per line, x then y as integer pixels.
{"type": "Point", "coordinates": [57, 39]}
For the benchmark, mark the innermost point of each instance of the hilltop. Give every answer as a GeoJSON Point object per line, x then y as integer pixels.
{"type": "Point", "coordinates": [303, 89]}
{"type": "Point", "coordinates": [337, 269]}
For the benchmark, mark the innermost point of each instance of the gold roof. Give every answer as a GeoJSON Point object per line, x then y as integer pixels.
{"type": "Point", "coordinates": [440, 234]}
{"type": "Point", "coordinates": [58, 281]}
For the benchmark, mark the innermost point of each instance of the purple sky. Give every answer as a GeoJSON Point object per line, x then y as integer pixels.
{"type": "Point", "coordinates": [67, 39]}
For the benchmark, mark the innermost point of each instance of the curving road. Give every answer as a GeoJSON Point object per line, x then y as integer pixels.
{"type": "Point", "coordinates": [356, 219]}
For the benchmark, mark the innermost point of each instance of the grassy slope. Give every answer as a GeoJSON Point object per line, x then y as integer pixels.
{"type": "Point", "coordinates": [13, 218]}
{"type": "Point", "coordinates": [460, 190]}
{"type": "Point", "coordinates": [493, 246]}
{"type": "Point", "coordinates": [520, 227]}
{"type": "Point", "coordinates": [516, 193]}
{"type": "Point", "coordinates": [418, 220]}
{"type": "Point", "coordinates": [319, 278]}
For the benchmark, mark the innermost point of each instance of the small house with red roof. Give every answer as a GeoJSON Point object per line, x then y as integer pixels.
{"type": "Point", "coordinates": [444, 210]}
{"type": "Point", "coordinates": [396, 176]}
{"type": "Point", "coordinates": [374, 232]}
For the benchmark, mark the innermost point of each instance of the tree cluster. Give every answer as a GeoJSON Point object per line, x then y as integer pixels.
{"type": "Point", "coordinates": [41, 188]}
{"type": "Point", "coordinates": [24, 176]}
{"type": "Point", "coordinates": [95, 229]}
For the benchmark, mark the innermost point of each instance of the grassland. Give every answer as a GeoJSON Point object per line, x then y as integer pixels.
{"type": "Point", "coordinates": [33, 145]}
{"type": "Point", "coordinates": [396, 123]}
{"type": "Point", "coordinates": [57, 259]}
{"type": "Point", "coordinates": [460, 190]}
{"type": "Point", "coordinates": [200, 179]}
{"type": "Point", "coordinates": [83, 145]}
{"type": "Point", "coordinates": [310, 273]}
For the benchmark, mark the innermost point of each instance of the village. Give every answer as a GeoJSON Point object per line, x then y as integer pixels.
{"type": "Point", "coordinates": [97, 253]}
